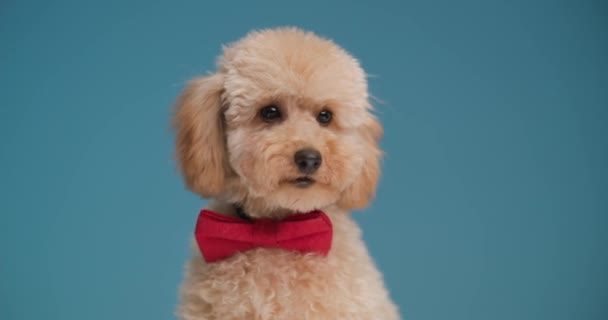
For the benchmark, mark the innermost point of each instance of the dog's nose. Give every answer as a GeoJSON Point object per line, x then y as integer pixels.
{"type": "Point", "coordinates": [308, 160]}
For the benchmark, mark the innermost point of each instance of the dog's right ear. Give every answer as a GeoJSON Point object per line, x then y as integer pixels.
{"type": "Point", "coordinates": [200, 140]}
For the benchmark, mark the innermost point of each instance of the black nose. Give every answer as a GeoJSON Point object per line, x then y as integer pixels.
{"type": "Point", "coordinates": [308, 160]}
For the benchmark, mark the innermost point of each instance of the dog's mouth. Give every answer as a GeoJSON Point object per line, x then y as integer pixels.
{"type": "Point", "coordinates": [302, 182]}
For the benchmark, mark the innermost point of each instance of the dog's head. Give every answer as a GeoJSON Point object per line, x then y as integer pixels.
{"type": "Point", "coordinates": [285, 123]}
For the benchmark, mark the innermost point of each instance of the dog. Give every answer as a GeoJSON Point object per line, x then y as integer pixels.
{"type": "Point", "coordinates": [283, 129]}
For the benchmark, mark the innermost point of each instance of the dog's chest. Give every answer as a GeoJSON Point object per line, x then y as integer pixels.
{"type": "Point", "coordinates": [277, 284]}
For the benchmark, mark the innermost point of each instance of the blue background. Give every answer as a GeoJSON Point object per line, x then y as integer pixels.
{"type": "Point", "coordinates": [494, 199]}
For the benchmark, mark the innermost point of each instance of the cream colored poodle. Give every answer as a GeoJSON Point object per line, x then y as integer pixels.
{"type": "Point", "coordinates": [283, 128]}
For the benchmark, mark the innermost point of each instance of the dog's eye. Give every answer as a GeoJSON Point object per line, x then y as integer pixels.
{"type": "Point", "coordinates": [324, 117]}
{"type": "Point", "coordinates": [270, 113]}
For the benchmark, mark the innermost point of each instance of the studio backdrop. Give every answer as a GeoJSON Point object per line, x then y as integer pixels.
{"type": "Point", "coordinates": [493, 202]}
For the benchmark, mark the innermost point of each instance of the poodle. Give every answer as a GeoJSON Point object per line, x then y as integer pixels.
{"type": "Point", "coordinates": [281, 136]}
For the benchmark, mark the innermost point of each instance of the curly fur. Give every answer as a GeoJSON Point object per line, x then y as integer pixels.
{"type": "Point", "coordinates": [228, 153]}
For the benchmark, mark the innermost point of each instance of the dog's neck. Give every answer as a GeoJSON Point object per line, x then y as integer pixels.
{"type": "Point", "coordinates": [240, 212]}
{"type": "Point", "coordinates": [249, 212]}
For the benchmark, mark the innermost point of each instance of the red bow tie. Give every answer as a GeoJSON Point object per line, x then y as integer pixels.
{"type": "Point", "coordinates": [219, 236]}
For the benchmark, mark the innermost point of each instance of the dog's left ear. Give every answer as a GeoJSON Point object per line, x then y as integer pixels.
{"type": "Point", "coordinates": [362, 191]}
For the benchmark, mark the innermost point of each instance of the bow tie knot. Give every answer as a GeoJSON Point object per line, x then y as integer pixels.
{"type": "Point", "coordinates": [265, 233]}
{"type": "Point", "coordinates": [219, 236]}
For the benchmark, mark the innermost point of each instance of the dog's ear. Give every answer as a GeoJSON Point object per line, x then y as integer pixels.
{"type": "Point", "coordinates": [200, 141]}
{"type": "Point", "coordinates": [362, 191]}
